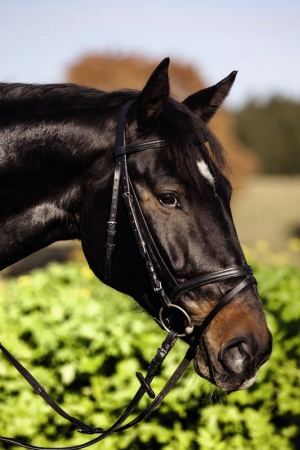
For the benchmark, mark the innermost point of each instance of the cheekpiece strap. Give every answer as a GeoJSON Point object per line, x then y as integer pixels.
{"type": "Point", "coordinates": [121, 177]}
{"type": "Point", "coordinates": [111, 224]}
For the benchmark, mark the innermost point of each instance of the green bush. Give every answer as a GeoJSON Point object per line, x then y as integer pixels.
{"type": "Point", "coordinates": [84, 342]}
{"type": "Point", "coordinates": [272, 131]}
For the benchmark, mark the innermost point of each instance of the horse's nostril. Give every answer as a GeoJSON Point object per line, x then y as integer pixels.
{"type": "Point", "coordinates": [234, 359]}
{"type": "Point", "coordinates": [236, 355]}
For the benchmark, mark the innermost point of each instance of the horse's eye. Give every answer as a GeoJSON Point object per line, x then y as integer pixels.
{"type": "Point", "coordinates": [168, 199]}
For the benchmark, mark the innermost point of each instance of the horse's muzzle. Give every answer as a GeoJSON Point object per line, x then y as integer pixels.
{"type": "Point", "coordinates": [235, 365]}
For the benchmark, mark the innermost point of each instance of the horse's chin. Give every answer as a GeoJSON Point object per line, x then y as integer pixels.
{"type": "Point", "coordinates": [206, 367]}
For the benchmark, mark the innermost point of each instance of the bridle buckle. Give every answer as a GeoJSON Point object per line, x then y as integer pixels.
{"type": "Point", "coordinates": [157, 286]}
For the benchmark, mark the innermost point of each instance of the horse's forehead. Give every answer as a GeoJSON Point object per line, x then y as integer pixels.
{"type": "Point", "coordinates": [205, 172]}
{"type": "Point", "coordinates": [156, 164]}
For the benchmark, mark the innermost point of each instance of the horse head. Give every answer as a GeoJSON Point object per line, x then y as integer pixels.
{"type": "Point", "coordinates": [184, 195]}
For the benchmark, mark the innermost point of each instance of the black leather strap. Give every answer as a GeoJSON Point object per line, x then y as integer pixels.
{"type": "Point", "coordinates": [212, 277]}
{"type": "Point", "coordinates": [111, 224]}
{"type": "Point", "coordinates": [151, 245]}
{"type": "Point", "coordinates": [226, 299]}
{"type": "Point", "coordinates": [153, 369]}
{"type": "Point", "coordinates": [39, 389]}
{"type": "Point", "coordinates": [121, 174]}
{"type": "Point", "coordinates": [138, 147]}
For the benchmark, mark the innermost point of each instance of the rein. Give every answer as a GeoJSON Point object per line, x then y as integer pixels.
{"type": "Point", "coordinates": [146, 245]}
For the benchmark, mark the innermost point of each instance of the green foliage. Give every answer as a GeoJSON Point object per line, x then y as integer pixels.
{"type": "Point", "coordinates": [84, 342]}
{"type": "Point", "coordinates": [272, 131]}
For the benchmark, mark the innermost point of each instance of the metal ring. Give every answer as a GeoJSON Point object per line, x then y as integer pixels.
{"type": "Point", "coordinates": [188, 329]}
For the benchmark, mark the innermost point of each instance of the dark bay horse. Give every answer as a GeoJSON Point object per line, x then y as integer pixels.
{"type": "Point", "coordinates": [57, 170]}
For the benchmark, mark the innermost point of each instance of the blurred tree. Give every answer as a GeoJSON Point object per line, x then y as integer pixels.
{"type": "Point", "coordinates": [272, 130]}
{"type": "Point", "coordinates": [110, 72]}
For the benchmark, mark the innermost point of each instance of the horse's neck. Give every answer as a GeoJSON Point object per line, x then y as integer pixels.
{"type": "Point", "coordinates": [33, 228]}
{"type": "Point", "coordinates": [42, 176]}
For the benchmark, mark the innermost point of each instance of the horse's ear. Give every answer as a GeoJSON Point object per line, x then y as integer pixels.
{"type": "Point", "coordinates": [151, 100]}
{"type": "Point", "coordinates": [206, 102]}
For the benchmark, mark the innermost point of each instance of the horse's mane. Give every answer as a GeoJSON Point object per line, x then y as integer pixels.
{"type": "Point", "coordinates": [42, 98]}
{"type": "Point", "coordinates": [177, 126]}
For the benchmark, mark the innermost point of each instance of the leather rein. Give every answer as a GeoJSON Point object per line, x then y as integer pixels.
{"type": "Point", "coordinates": [148, 250]}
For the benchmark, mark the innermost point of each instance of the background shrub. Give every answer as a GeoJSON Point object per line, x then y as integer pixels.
{"type": "Point", "coordinates": [84, 342]}
{"type": "Point", "coordinates": [271, 130]}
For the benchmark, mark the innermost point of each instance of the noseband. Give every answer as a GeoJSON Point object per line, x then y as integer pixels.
{"type": "Point", "coordinates": [148, 250]}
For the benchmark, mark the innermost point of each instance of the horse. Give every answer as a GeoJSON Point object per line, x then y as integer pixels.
{"type": "Point", "coordinates": [57, 168]}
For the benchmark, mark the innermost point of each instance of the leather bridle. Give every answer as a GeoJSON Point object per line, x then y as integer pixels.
{"type": "Point", "coordinates": [143, 236]}
{"type": "Point", "coordinates": [149, 251]}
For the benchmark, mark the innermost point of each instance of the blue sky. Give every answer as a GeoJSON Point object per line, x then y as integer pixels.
{"type": "Point", "coordinates": [259, 38]}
